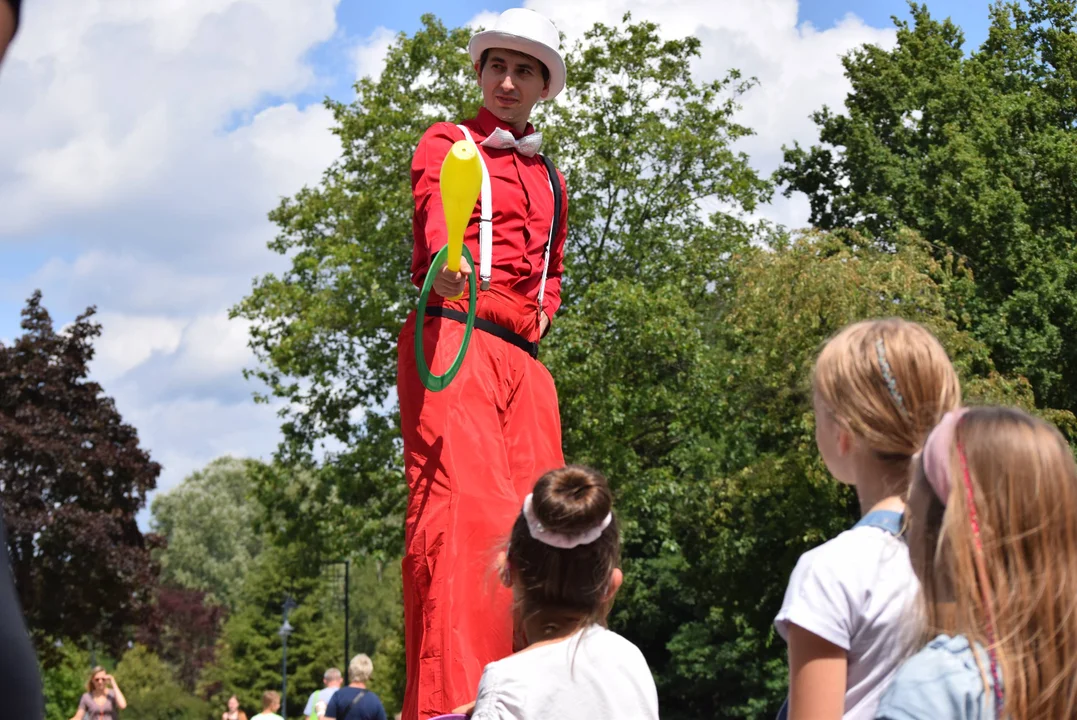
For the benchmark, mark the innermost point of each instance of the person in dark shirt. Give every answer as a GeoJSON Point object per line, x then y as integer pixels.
{"type": "Point", "coordinates": [20, 681]}
{"type": "Point", "coordinates": [355, 702]}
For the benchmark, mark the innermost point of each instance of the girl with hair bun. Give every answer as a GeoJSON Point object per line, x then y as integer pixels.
{"type": "Point", "coordinates": [993, 539]}
{"type": "Point", "coordinates": [562, 565]}
{"type": "Point", "coordinates": [878, 388]}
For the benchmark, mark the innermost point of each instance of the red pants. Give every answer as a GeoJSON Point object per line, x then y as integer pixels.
{"type": "Point", "coordinates": [472, 452]}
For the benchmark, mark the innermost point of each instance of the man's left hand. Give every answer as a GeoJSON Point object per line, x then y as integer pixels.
{"type": "Point", "coordinates": [544, 323]}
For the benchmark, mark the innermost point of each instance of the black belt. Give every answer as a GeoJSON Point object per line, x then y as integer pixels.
{"type": "Point", "coordinates": [531, 348]}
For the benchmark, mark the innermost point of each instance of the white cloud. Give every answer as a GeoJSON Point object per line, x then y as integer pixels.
{"type": "Point", "coordinates": [184, 435]}
{"type": "Point", "coordinates": [156, 358]}
{"type": "Point", "coordinates": [108, 108]}
{"type": "Point", "coordinates": [145, 142]}
{"type": "Point", "coordinates": [126, 342]}
{"type": "Point", "coordinates": [798, 66]}
{"type": "Point", "coordinates": [178, 381]}
{"type": "Point", "coordinates": [370, 54]}
{"type": "Point", "coordinates": [484, 20]}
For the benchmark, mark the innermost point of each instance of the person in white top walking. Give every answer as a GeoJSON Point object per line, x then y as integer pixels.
{"type": "Point", "coordinates": [562, 567]}
{"type": "Point", "coordinates": [319, 699]}
{"type": "Point", "coordinates": [879, 387]}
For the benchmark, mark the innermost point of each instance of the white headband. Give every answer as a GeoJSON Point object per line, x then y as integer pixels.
{"type": "Point", "coordinates": [561, 540]}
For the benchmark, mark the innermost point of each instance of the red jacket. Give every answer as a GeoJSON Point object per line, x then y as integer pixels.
{"type": "Point", "coordinates": [522, 212]}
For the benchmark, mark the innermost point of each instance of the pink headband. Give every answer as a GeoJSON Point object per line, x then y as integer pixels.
{"type": "Point", "coordinates": [936, 453]}
{"type": "Point", "coordinates": [561, 540]}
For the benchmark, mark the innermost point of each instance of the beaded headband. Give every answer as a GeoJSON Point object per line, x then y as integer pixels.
{"type": "Point", "coordinates": [888, 377]}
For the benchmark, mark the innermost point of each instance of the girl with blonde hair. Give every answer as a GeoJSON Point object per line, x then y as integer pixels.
{"type": "Point", "coordinates": [993, 539]}
{"type": "Point", "coordinates": [878, 388]}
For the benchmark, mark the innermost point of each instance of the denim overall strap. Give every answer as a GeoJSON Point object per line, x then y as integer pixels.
{"type": "Point", "coordinates": [888, 520]}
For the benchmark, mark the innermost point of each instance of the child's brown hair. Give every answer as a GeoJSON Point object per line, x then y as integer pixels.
{"type": "Point", "coordinates": [565, 589]}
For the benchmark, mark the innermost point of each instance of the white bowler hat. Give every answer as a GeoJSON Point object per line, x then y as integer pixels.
{"type": "Point", "coordinates": [527, 32]}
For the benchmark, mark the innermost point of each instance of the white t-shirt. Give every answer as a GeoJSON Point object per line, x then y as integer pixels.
{"type": "Point", "coordinates": [854, 591]}
{"type": "Point", "coordinates": [592, 675]}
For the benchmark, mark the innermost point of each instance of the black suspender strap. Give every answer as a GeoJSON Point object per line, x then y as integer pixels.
{"type": "Point", "coordinates": [555, 182]}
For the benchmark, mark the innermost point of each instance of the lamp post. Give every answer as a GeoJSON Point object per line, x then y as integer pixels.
{"type": "Point", "coordinates": [347, 585]}
{"type": "Point", "coordinates": [285, 630]}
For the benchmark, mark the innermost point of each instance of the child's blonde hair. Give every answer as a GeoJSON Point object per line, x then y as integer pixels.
{"type": "Point", "coordinates": [1021, 587]}
{"type": "Point", "coordinates": [888, 382]}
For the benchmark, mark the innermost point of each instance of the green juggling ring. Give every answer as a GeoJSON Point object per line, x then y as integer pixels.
{"type": "Point", "coordinates": [436, 383]}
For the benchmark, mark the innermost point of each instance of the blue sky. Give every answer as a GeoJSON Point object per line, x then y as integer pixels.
{"type": "Point", "coordinates": [971, 16]}
{"type": "Point", "coordinates": [359, 18]}
{"type": "Point", "coordinates": [145, 143]}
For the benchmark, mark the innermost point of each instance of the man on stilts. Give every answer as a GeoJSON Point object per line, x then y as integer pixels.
{"type": "Point", "coordinates": [473, 450]}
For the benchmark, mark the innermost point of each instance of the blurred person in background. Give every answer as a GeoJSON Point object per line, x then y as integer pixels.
{"type": "Point", "coordinates": [233, 712]}
{"type": "Point", "coordinates": [319, 699]}
{"type": "Point", "coordinates": [102, 700]}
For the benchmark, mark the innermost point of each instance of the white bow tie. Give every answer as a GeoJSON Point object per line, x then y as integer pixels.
{"type": "Point", "coordinates": [501, 139]}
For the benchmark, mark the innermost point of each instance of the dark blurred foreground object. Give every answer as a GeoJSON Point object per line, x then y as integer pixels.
{"type": "Point", "coordinates": [20, 682]}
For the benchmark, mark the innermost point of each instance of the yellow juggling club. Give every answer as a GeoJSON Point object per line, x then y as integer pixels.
{"type": "Point", "coordinates": [461, 180]}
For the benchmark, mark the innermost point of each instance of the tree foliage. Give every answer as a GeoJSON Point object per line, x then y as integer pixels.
{"type": "Point", "coordinates": [151, 690]}
{"type": "Point", "coordinates": [64, 680]}
{"type": "Point", "coordinates": [701, 416]}
{"type": "Point", "coordinates": [249, 653]}
{"type": "Point", "coordinates": [72, 479]}
{"type": "Point", "coordinates": [977, 153]}
{"type": "Point", "coordinates": [208, 524]}
{"type": "Point", "coordinates": [182, 631]}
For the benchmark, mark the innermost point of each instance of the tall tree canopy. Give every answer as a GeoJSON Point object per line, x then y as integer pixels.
{"type": "Point", "coordinates": [208, 524]}
{"type": "Point", "coordinates": [977, 152]}
{"type": "Point", "coordinates": [72, 479]}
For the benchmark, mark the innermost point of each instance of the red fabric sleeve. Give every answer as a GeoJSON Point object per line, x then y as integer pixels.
{"type": "Point", "coordinates": [428, 225]}
{"type": "Point", "coordinates": [551, 300]}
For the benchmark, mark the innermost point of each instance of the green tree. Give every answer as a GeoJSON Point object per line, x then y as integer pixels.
{"type": "Point", "coordinates": [152, 692]}
{"type": "Point", "coordinates": [377, 625]}
{"type": "Point", "coordinates": [249, 653]}
{"type": "Point", "coordinates": [208, 523]}
{"type": "Point", "coordinates": [976, 152]}
{"type": "Point", "coordinates": [64, 680]}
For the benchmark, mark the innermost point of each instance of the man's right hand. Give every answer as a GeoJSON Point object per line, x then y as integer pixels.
{"type": "Point", "coordinates": [450, 284]}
